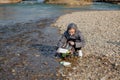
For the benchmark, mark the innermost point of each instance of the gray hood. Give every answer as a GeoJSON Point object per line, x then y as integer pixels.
{"type": "Point", "coordinates": [74, 26]}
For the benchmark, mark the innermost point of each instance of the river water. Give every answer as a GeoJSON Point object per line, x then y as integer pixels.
{"type": "Point", "coordinates": [31, 11]}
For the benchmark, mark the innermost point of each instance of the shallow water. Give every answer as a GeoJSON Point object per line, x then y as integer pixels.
{"type": "Point", "coordinates": [33, 11]}
{"type": "Point", "coordinates": [26, 51]}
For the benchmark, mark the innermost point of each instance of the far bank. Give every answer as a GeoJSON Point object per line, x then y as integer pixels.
{"type": "Point", "coordinates": [9, 1]}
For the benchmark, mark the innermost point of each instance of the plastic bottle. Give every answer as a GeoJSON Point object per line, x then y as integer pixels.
{"type": "Point", "coordinates": [64, 63]}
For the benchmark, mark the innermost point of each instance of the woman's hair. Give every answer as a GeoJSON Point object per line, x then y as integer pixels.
{"type": "Point", "coordinates": [72, 26]}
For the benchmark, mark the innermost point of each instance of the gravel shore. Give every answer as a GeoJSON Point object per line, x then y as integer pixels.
{"type": "Point", "coordinates": [101, 30]}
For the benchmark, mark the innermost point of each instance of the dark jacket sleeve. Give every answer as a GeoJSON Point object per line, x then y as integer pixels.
{"type": "Point", "coordinates": [80, 42]}
{"type": "Point", "coordinates": [62, 41]}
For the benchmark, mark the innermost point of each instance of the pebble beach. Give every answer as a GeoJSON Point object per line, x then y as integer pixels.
{"type": "Point", "coordinates": [101, 30]}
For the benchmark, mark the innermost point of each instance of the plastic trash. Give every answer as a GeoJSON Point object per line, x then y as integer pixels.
{"type": "Point", "coordinates": [65, 55]}
{"type": "Point", "coordinates": [61, 50]}
{"type": "Point", "coordinates": [64, 63]}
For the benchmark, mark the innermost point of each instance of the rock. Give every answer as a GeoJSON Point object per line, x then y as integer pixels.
{"type": "Point", "coordinates": [13, 71]}
{"type": "Point", "coordinates": [45, 63]}
{"type": "Point", "coordinates": [18, 54]}
{"type": "Point", "coordinates": [74, 68]}
{"type": "Point", "coordinates": [37, 55]}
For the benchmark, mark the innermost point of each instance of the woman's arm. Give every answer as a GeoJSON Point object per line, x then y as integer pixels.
{"type": "Point", "coordinates": [80, 42]}
{"type": "Point", "coordinates": [62, 41]}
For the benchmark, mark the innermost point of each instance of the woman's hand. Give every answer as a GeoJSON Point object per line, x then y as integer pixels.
{"type": "Point", "coordinates": [71, 43]}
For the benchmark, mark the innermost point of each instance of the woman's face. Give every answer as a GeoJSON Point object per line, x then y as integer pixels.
{"type": "Point", "coordinates": [71, 31]}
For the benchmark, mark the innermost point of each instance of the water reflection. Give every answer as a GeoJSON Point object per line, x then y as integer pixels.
{"type": "Point", "coordinates": [40, 0]}
{"type": "Point", "coordinates": [7, 15]}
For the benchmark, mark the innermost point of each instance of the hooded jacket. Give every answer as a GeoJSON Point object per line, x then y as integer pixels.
{"type": "Point", "coordinates": [77, 38]}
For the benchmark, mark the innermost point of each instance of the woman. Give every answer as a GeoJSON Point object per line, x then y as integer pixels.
{"type": "Point", "coordinates": [73, 38]}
